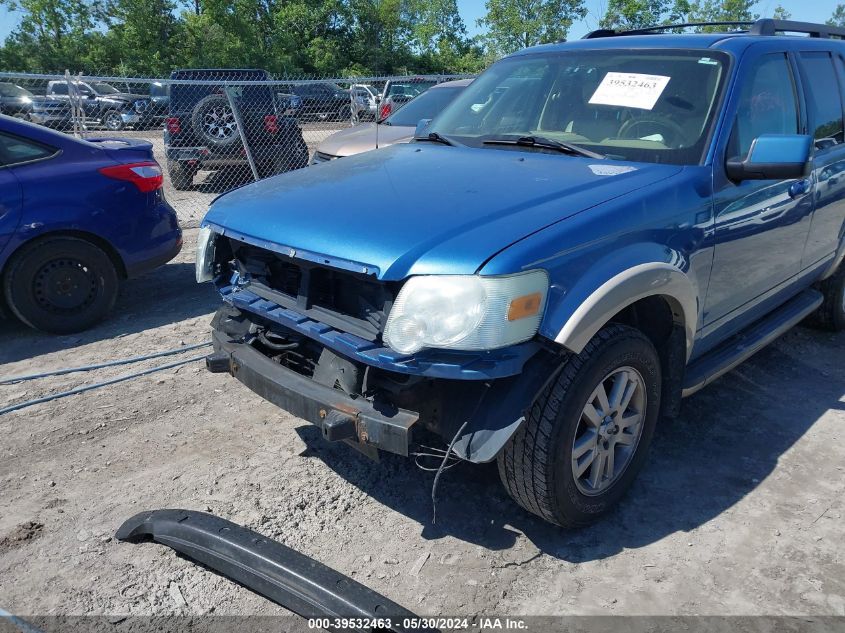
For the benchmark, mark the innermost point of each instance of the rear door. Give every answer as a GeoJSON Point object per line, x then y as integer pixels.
{"type": "Point", "coordinates": [823, 87]}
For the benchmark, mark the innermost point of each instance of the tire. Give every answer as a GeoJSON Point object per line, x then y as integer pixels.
{"type": "Point", "coordinates": [536, 465]}
{"type": "Point", "coordinates": [112, 121]}
{"type": "Point", "coordinates": [181, 175]}
{"type": "Point", "coordinates": [60, 285]}
{"type": "Point", "coordinates": [831, 314]}
{"type": "Point", "coordinates": [214, 122]}
{"type": "Point", "coordinates": [344, 113]}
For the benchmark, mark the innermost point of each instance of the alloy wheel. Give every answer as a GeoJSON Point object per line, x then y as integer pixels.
{"type": "Point", "coordinates": [609, 431]}
{"type": "Point", "coordinates": [219, 123]}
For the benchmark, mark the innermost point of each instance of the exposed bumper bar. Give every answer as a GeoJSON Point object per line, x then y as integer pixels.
{"type": "Point", "coordinates": [329, 409]}
{"type": "Point", "coordinates": [267, 567]}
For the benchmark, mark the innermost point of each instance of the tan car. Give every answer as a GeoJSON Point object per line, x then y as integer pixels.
{"type": "Point", "coordinates": [397, 128]}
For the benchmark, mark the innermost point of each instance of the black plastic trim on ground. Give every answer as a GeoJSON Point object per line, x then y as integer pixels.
{"type": "Point", "coordinates": [275, 571]}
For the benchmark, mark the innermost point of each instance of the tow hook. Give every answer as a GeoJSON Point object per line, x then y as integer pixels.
{"type": "Point", "coordinates": [218, 363]}
{"type": "Point", "coordinates": [338, 426]}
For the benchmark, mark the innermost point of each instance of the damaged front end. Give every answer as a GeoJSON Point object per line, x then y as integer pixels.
{"type": "Point", "coordinates": [308, 337]}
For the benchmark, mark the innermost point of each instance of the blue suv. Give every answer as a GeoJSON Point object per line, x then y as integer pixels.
{"type": "Point", "coordinates": [590, 232]}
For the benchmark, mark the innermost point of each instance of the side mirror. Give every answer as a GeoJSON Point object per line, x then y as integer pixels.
{"type": "Point", "coordinates": [421, 126]}
{"type": "Point", "coordinates": [773, 157]}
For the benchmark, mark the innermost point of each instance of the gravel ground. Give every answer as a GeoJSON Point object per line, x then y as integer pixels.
{"type": "Point", "coordinates": [739, 510]}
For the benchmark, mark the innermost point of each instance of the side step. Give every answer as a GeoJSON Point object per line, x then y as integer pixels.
{"type": "Point", "coordinates": [741, 347]}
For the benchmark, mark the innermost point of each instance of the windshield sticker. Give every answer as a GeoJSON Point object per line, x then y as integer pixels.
{"type": "Point", "coordinates": [611, 170]}
{"type": "Point", "coordinates": [631, 90]}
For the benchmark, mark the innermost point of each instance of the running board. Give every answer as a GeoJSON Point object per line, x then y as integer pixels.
{"type": "Point", "coordinates": [279, 573]}
{"type": "Point", "coordinates": [741, 347]}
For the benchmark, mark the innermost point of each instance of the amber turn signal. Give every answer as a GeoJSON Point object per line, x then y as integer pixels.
{"type": "Point", "coordinates": [524, 306]}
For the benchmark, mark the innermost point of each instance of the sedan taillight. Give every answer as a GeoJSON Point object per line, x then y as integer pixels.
{"type": "Point", "coordinates": [385, 111]}
{"type": "Point", "coordinates": [271, 123]}
{"type": "Point", "coordinates": [173, 125]}
{"type": "Point", "coordinates": [146, 176]}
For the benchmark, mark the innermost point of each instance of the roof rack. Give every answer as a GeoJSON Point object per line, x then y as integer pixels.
{"type": "Point", "coordinates": [763, 26]}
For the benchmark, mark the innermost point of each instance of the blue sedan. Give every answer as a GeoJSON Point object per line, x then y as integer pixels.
{"type": "Point", "coordinates": [77, 217]}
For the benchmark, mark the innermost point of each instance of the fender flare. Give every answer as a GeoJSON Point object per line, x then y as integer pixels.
{"type": "Point", "coordinates": [626, 288]}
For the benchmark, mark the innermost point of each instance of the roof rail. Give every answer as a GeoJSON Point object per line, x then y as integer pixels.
{"type": "Point", "coordinates": [767, 26]}
{"type": "Point", "coordinates": [763, 26]}
{"type": "Point", "coordinates": [659, 27]}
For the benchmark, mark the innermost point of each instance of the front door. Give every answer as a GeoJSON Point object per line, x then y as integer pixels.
{"type": "Point", "coordinates": [761, 225]}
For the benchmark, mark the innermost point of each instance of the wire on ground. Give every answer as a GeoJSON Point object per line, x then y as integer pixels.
{"type": "Point", "coordinates": [123, 361]}
{"type": "Point", "coordinates": [105, 383]}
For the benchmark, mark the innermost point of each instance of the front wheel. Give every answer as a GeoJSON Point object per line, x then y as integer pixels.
{"type": "Point", "coordinates": [61, 285]}
{"type": "Point", "coordinates": [587, 434]}
{"type": "Point", "coordinates": [113, 121]}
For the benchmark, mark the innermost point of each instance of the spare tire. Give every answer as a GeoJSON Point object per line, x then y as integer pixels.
{"type": "Point", "coordinates": [214, 122]}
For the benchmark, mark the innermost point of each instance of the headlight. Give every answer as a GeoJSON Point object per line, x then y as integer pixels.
{"type": "Point", "coordinates": [205, 254]}
{"type": "Point", "coordinates": [466, 312]}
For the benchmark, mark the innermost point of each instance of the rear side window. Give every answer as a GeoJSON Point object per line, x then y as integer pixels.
{"type": "Point", "coordinates": [59, 89]}
{"type": "Point", "coordinates": [823, 99]}
{"type": "Point", "coordinates": [767, 103]}
{"type": "Point", "coordinates": [15, 150]}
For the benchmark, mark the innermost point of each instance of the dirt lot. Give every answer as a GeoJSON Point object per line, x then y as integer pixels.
{"type": "Point", "coordinates": [739, 510]}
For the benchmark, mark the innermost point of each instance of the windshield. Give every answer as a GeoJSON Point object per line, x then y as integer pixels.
{"type": "Point", "coordinates": [159, 90]}
{"type": "Point", "coordinates": [653, 106]}
{"type": "Point", "coordinates": [11, 90]}
{"type": "Point", "coordinates": [104, 89]}
{"type": "Point", "coordinates": [410, 89]}
{"type": "Point", "coordinates": [426, 106]}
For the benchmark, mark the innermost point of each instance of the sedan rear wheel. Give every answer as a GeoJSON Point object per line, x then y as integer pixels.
{"type": "Point", "coordinates": [61, 285]}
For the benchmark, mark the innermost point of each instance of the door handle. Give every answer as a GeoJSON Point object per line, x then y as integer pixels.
{"type": "Point", "coordinates": [799, 188]}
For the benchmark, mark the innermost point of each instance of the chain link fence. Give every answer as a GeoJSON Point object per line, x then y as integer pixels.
{"type": "Point", "coordinates": [211, 130]}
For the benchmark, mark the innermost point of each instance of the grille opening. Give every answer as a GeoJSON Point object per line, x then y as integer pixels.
{"type": "Point", "coordinates": [348, 301]}
{"type": "Point", "coordinates": [294, 352]}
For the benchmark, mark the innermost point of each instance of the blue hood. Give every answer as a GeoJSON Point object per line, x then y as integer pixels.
{"type": "Point", "coordinates": [422, 208]}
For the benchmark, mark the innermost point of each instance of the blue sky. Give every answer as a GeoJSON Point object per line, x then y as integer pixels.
{"type": "Point", "coordinates": [471, 10]}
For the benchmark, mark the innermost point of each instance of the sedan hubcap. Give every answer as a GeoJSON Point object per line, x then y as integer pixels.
{"type": "Point", "coordinates": [609, 431]}
{"type": "Point", "coordinates": [64, 285]}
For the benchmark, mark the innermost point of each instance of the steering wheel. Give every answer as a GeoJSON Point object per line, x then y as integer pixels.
{"type": "Point", "coordinates": [675, 131]}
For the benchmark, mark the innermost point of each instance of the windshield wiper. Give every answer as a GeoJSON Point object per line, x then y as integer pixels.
{"type": "Point", "coordinates": [435, 137]}
{"type": "Point", "coordinates": [545, 143]}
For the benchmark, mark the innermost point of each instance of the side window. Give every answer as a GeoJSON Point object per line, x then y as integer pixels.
{"type": "Point", "coordinates": [15, 150]}
{"type": "Point", "coordinates": [59, 89]}
{"type": "Point", "coordinates": [767, 103]}
{"type": "Point", "coordinates": [823, 100]}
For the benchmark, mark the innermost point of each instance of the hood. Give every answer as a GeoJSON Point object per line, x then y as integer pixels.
{"type": "Point", "coordinates": [422, 208]}
{"type": "Point", "coordinates": [44, 103]}
{"type": "Point", "coordinates": [362, 138]}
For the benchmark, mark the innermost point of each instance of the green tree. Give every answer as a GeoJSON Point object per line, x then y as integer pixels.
{"type": "Point", "coordinates": [781, 13]}
{"type": "Point", "coordinates": [144, 37]}
{"type": "Point", "coordinates": [722, 11]}
{"type": "Point", "coordinates": [637, 14]}
{"type": "Point", "coordinates": [52, 34]}
{"type": "Point", "coordinates": [838, 17]}
{"type": "Point", "coordinates": [517, 24]}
